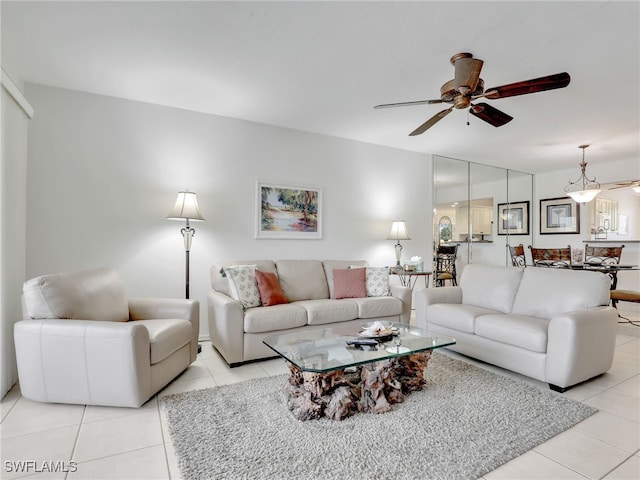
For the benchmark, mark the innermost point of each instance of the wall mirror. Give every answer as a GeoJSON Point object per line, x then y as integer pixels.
{"type": "Point", "coordinates": [470, 195]}
{"type": "Point", "coordinates": [614, 214]}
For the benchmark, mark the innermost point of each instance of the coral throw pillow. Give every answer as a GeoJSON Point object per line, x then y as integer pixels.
{"type": "Point", "coordinates": [270, 290]}
{"type": "Point", "coordinates": [350, 283]}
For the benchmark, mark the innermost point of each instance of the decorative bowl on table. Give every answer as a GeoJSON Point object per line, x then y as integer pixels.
{"type": "Point", "coordinates": [380, 331]}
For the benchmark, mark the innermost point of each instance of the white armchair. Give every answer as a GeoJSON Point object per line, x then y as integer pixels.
{"type": "Point", "coordinates": [84, 342]}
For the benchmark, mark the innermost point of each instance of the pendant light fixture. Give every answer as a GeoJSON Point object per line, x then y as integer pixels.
{"type": "Point", "coordinates": [583, 190]}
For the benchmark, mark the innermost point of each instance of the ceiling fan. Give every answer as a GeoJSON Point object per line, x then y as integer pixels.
{"type": "Point", "coordinates": [467, 86]}
{"type": "Point", "coordinates": [635, 184]}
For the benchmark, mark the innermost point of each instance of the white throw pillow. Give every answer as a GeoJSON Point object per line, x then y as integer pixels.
{"type": "Point", "coordinates": [243, 285]}
{"type": "Point", "coordinates": [377, 282]}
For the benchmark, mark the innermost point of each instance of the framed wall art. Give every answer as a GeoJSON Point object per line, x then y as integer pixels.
{"type": "Point", "coordinates": [288, 211]}
{"type": "Point", "coordinates": [559, 215]}
{"type": "Point", "coordinates": [513, 218]}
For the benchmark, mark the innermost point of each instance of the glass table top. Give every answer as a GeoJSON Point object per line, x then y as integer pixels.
{"type": "Point", "coordinates": [327, 349]}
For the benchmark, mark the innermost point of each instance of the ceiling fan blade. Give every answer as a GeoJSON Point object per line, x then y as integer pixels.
{"type": "Point", "coordinates": [467, 73]}
{"type": "Point", "coordinates": [431, 122]}
{"type": "Point", "coordinates": [489, 114]}
{"type": "Point", "coordinates": [550, 82]}
{"type": "Point", "coordinates": [406, 104]}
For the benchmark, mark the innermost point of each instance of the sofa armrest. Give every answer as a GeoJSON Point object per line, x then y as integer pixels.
{"type": "Point", "coordinates": [580, 345]}
{"type": "Point", "coordinates": [226, 326]}
{"type": "Point", "coordinates": [404, 294]}
{"type": "Point", "coordinates": [156, 308]}
{"type": "Point", "coordinates": [431, 296]}
{"type": "Point", "coordinates": [83, 361]}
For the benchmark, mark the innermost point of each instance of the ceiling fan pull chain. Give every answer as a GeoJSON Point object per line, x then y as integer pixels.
{"type": "Point", "coordinates": [468, 118]}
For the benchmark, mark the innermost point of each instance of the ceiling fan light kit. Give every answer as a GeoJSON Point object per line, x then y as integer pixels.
{"type": "Point", "coordinates": [583, 190]}
{"type": "Point", "coordinates": [467, 86]}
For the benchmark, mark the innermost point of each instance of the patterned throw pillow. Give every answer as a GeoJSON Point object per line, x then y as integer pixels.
{"type": "Point", "coordinates": [243, 286]}
{"type": "Point", "coordinates": [349, 283]}
{"type": "Point", "coordinates": [378, 282]}
{"type": "Point", "coordinates": [270, 290]}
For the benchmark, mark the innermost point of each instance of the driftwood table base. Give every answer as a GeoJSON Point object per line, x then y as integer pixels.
{"type": "Point", "coordinates": [372, 387]}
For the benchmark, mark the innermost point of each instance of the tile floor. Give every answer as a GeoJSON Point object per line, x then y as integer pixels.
{"type": "Point", "coordinates": [120, 443]}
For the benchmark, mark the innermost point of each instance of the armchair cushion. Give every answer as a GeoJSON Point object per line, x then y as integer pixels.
{"type": "Point", "coordinates": [96, 294]}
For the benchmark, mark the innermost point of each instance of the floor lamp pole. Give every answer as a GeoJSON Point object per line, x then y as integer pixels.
{"type": "Point", "coordinates": [187, 234]}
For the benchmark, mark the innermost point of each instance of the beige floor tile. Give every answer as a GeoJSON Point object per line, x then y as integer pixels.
{"type": "Point", "coordinates": [240, 374]}
{"type": "Point", "coordinates": [50, 445]}
{"type": "Point", "coordinates": [532, 466]}
{"type": "Point", "coordinates": [612, 429]}
{"type": "Point", "coordinates": [9, 401]}
{"type": "Point", "coordinates": [186, 384]}
{"type": "Point", "coordinates": [118, 435]}
{"type": "Point", "coordinates": [582, 453]}
{"type": "Point", "coordinates": [30, 417]}
{"type": "Point", "coordinates": [144, 464]}
{"type": "Point", "coordinates": [628, 470]}
{"type": "Point", "coordinates": [95, 413]}
{"type": "Point", "coordinates": [274, 367]}
{"type": "Point", "coordinates": [196, 369]}
{"type": "Point", "coordinates": [216, 365]}
{"type": "Point", "coordinates": [617, 403]}
{"type": "Point", "coordinates": [629, 387]}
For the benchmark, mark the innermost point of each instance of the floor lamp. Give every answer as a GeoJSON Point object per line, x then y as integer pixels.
{"type": "Point", "coordinates": [186, 208]}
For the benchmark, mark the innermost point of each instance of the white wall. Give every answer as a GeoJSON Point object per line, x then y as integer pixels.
{"type": "Point", "coordinates": [104, 172]}
{"type": "Point", "coordinates": [13, 187]}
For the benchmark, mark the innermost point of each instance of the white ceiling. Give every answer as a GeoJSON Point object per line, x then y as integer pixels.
{"type": "Point", "coordinates": [322, 66]}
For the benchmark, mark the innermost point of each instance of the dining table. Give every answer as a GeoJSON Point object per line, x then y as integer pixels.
{"type": "Point", "coordinates": [610, 269]}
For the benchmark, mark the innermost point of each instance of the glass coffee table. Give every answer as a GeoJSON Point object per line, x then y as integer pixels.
{"type": "Point", "coordinates": [331, 377]}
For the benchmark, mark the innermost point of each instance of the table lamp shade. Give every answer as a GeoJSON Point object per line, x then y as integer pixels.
{"type": "Point", "coordinates": [398, 231]}
{"type": "Point", "coordinates": [186, 207]}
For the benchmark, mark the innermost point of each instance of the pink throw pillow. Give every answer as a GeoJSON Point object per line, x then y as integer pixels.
{"type": "Point", "coordinates": [350, 283]}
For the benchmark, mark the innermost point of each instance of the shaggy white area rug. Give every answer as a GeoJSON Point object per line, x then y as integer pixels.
{"type": "Point", "coordinates": [466, 422]}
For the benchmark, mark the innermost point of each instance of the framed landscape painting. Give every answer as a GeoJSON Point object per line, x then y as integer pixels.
{"type": "Point", "coordinates": [288, 211]}
{"type": "Point", "coordinates": [559, 215]}
{"type": "Point", "coordinates": [513, 218]}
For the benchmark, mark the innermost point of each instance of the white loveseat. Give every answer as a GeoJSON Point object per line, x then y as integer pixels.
{"type": "Point", "coordinates": [308, 285]}
{"type": "Point", "coordinates": [550, 324]}
{"type": "Point", "coordinates": [84, 342]}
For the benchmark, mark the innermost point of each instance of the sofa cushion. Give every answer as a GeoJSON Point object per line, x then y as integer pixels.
{"type": "Point", "coordinates": [349, 283]}
{"type": "Point", "coordinates": [243, 285]}
{"type": "Point", "coordinates": [96, 294]}
{"type": "Point", "coordinates": [545, 292]}
{"type": "Point", "coordinates": [270, 290]}
{"type": "Point", "coordinates": [372, 307]}
{"type": "Point", "coordinates": [518, 330]}
{"type": "Point", "coordinates": [219, 281]}
{"type": "Point", "coordinates": [302, 279]}
{"type": "Point", "coordinates": [277, 317]}
{"type": "Point", "coordinates": [490, 286]}
{"type": "Point", "coordinates": [166, 335]}
{"type": "Point", "coordinates": [324, 311]}
{"type": "Point", "coordinates": [455, 316]}
{"type": "Point", "coordinates": [331, 265]}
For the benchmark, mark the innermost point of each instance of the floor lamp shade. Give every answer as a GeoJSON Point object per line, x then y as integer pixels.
{"type": "Point", "coordinates": [186, 208]}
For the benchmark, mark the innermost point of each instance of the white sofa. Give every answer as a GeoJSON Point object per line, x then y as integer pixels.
{"type": "Point", "coordinates": [550, 324]}
{"type": "Point", "coordinates": [84, 342]}
{"type": "Point", "coordinates": [237, 332]}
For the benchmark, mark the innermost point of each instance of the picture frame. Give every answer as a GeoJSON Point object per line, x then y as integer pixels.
{"type": "Point", "coordinates": [559, 216]}
{"type": "Point", "coordinates": [513, 218]}
{"type": "Point", "coordinates": [288, 211]}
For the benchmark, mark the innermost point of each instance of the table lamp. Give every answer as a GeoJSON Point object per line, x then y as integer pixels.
{"type": "Point", "coordinates": [398, 232]}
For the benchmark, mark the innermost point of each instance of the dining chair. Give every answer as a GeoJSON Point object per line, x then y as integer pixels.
{"type": "Point", "coordinates": [602, 255]}
{"type": "Point", "coordinates": [551, 257]}
{"type": "Point", "coordinates": [445, 265]}
{"type": "Point", "coordinates": [518, 258]}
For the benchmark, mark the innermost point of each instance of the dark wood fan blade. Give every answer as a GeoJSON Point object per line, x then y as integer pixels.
{"type": "Point", "coordinates": [550, 82]}
{"type": "Point", "coordinates": [431, 122]}
{"type": "Point", "coordinates": [406, 104]}
{"type": "Point", "coordinates": [467, 74]}
{"type": "Point", "coordinates": [489, 114]}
